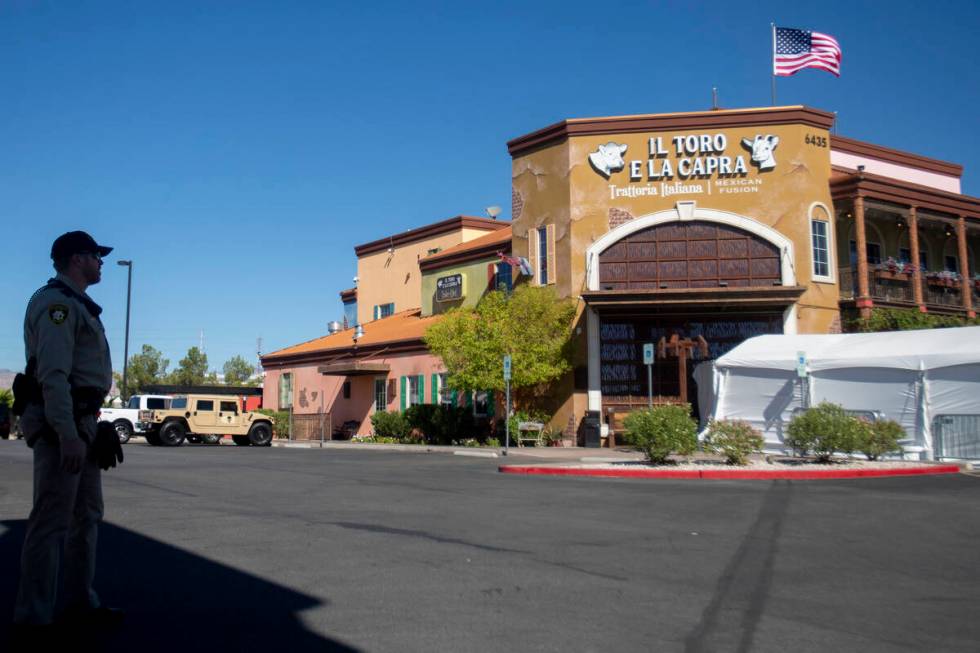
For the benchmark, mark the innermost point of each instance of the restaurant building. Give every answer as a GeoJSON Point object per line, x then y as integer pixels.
{"type": "Point", "coordinates": [687, 231]}
{"type": "Point", "coordinates": [378, 360]}
{"type": "Point", "coordinates": [695, 231]}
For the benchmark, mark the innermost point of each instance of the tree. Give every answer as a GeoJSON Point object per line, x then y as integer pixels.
{"type": "Point", "coordinates": [145, 368]}
{"type": "Point", "coordinates": [6, 397]}
{"type": "Point", "coordinates": [532, 324]}
{"type": "Point", "coordinates": [238, 371]}
{"type": "Point", "coordinates": [192, 368]}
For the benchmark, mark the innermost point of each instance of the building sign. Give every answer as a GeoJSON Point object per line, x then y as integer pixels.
{"type": "Point", "coordinates": [449, 289]}
{"type": "Point", "coordinates": [687, 164]}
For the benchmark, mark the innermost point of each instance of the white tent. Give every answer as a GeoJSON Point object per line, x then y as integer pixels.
{"type": "Point", "coordinates": [927, 381]}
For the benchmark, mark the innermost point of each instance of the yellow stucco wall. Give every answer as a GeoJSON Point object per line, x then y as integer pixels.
{"type": "Point", "coordinates": [558, 185]}
{"type": "Point", "coordinates": [474, 285]}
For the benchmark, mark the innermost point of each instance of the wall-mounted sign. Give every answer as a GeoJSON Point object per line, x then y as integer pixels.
{"type": "Point", "coordinates": [450, 289]}
{"type": "Point", "coordinates": [687, 164]}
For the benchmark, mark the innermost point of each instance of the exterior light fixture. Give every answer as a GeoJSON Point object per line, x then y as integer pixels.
{"type": "Point", "coordinates": [358, 333]}
{"type": "Point", "coordinates": [947, 231]}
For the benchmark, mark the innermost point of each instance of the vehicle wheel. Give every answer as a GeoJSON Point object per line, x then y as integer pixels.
{"type": "Point", "coordinates": [212, 439]}
{"type": "Point", "coordinates": [260, 435]}
{"type": "Point", "coordinates": [194, 439]}
{"type": "Point", "coordinates": [172, 434]}
{"type": "Point", "coordinates": [241, 440]}
{"type": "Point", "coordinates": [152, 438]}
{"type": "Point", "coordinates": [123, 429]}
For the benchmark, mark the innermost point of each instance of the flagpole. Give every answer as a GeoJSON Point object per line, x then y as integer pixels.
{"type": "Point", "coordinates": [773, 26]}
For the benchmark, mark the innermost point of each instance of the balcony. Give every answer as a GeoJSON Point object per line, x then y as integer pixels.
{"type": "Point", "coordinates": [941, 292]}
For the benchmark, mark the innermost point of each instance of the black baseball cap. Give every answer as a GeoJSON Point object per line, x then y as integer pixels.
{"type": "Point", "coordinates": [76, 242]}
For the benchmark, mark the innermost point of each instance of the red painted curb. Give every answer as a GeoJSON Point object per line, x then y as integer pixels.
{"type": "Point", "coordinates": [740, 474]}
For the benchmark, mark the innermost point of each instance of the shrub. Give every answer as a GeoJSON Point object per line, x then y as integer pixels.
{"type": "Point", "coordinates": [662, 430]}
{"type": "Point", "coordinates": [881, 438]}
{"type": "Point", "coordinates": [280, 421]}
{"type": "Point", "coordinates": [439, 424]}
{"type": "Point", "coordinates": [825, 430]}
{"type": "Point", "coordinates": [389, 425]}
{"type": "Point", "coordinates": [733, 439]}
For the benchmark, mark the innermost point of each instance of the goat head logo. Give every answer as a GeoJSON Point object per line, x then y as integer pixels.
{"type": "Point", "coordinates": [761, 148]}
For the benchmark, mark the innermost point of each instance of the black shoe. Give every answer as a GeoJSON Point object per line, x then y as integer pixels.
{"type": "Point", "coordinates": [102, 617]}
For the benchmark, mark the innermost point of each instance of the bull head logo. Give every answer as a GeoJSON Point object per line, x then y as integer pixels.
{"type": "Point", "coordinates": [608, 158]}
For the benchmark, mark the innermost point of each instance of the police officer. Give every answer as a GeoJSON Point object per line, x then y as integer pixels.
{"type": "Point", "coordinates": [67, 349]}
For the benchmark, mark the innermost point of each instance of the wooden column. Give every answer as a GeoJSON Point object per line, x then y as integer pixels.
{"type": "Point", "coordinates": [863, 301]}
{"type": "Point", "coordinates": [916, 260]}
{"type": "Point", "coordinates": [966, 283]}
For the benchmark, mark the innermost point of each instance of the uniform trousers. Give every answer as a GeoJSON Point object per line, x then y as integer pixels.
{"type": "Point", "coordinates": [67, 511]}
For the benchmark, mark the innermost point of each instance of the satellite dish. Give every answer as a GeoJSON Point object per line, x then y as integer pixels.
{"type": "Point", "coordinates": [333, 326]}
{"type": "Point", "coordinates": [493, 211]}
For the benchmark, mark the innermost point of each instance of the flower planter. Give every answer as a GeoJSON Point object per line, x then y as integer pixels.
{"type": "Point", "coordinates": [888, 275]}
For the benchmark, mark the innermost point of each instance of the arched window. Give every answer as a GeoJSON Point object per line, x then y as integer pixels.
{"type": "Point", "coordinates": [821, 243]}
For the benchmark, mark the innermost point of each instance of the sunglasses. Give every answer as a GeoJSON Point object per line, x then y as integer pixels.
{"type": "Point", "coordinates": [95, 255]}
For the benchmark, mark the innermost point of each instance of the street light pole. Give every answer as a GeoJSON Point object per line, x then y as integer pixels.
{"type": "Point", "coordinates": [129, 291]}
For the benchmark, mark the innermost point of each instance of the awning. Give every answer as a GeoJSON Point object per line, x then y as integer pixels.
{"type": "Point", "coordinates": [354, 368]}
{"type": "Point", "coordinates": [695, 298]}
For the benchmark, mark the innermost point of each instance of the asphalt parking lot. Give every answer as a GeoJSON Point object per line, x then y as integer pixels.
{"type": "Point", "coordinates": [241, 548]}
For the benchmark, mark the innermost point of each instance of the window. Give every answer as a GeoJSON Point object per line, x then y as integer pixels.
{"type": "Point", "coordinates": [873, 253]}
{"type": "Point", "coordinates": [384, 310]}
{"type": "Point", "coordinates": [286, 391]}
{"type": "Point", "coordinates": [157, 403]}
{"type": "Point", "coordinates": [433, 250]}
{"type": "Point", "coordinates": [179, 402]}
{"type": "Point", "coordinates": [134, 402]}
{"type": "Point", "coordinates": [414, 391]}
{"type": "Point", "coordinates": [821, 248]}
{"type": "Point", "coordinates": [229, 407]}
{"type": "Point", "coordinates": [380, 394]}
{"type": "Point", "coordinates": [905, 256]}
{"type": "Point", "coordinates": [481, 403]}
{"type": "Point", "coordinates": [446, 394]}
{"type": "Point", "coordinates": [204, 404]}
{"type": "Point", "coordinates": [346, 389]}
{"type": "Point", "coordinates": [542, 256]}
{"type": "Point", "coordinates": [951, 264]}
{"type": "Point", "coordinates": [505, 279]}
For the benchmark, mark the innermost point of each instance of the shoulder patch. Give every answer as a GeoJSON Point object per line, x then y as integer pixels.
{"type": "Point", "coordinates": [58, 313]}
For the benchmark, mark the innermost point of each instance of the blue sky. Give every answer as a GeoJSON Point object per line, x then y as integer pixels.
{"type": "Point", "coordinates": [237, 151]}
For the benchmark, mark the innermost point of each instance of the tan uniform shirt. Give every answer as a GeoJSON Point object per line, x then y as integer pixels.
{"type": "Point", "coordinates": [71, 350]}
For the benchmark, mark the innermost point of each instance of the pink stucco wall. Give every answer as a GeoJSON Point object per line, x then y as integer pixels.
{"type": "Point", "coordinates": [313, 392]}
{"type": "Point", "coordinates": [895, 171]}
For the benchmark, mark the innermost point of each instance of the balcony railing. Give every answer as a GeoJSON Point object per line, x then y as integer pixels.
{"type": "Point", "coordinates": [896, 287]}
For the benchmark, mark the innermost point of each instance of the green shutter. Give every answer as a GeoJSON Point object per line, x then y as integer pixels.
{"type": "Point", "coordinates": [468, 399]}
{"type": "Point", "coordinates": [421, 397]}
{"type": "Point", "coordinates": [403, 397]}
{"type": "Point", "coordinates": [491, 402]}
{"type": "Point", "coordinates": [435, 388]}
{"type": "Point", "coordinates": [453, 397]}
{"type": "Point", "coordinates": [377, 311]}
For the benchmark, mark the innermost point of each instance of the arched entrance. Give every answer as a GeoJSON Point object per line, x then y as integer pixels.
{"type": "Point", "coordinates": [688, 272]}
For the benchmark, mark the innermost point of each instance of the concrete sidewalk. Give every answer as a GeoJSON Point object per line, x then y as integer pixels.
{"type": "Point", "coordinates": [536, 454]}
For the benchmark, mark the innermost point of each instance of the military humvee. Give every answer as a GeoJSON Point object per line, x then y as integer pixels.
{"type": "Point", "coordinates": [197, 417]}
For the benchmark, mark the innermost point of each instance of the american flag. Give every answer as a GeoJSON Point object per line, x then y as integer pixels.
{"type": "Point", "coordinates": [796, 49]}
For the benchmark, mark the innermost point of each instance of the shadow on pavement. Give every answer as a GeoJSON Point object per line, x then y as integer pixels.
{"type": "Point", "coordinates": [177, 601]}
